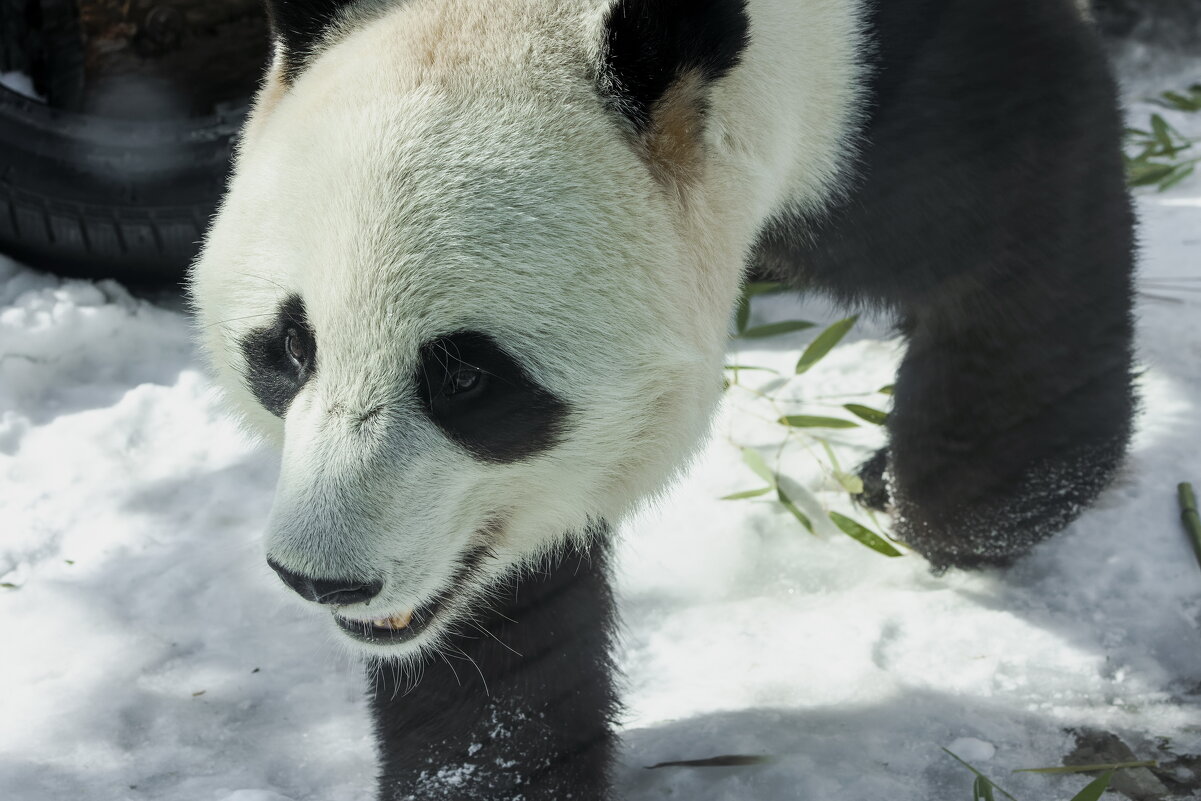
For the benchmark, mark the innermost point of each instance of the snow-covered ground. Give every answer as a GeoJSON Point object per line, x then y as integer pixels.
{"type": "Point", "coordinates": [146, 651]}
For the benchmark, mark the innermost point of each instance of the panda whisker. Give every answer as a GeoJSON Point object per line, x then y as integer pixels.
{"type": "Point", "coordinates": [476, 665]}
{"type": "Point", "coordinates": [262, 278]}
{"type": "Point", "coordinates": [235, 319]}
{"type": "Point", "coordinates": [499, 641]}
{"type": "Point", "coordinates": [501, 614]}
{"type": "Point", "coordinates": [449, 665]}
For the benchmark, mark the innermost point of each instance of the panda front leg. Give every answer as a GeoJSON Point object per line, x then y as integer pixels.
{"type": "Point", "coordinates": [1010, 415]}
{"type": "Point", "coordinates": [519, 704]}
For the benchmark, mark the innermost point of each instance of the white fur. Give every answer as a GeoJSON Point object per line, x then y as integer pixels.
{"type": "Point", "coordinates": [447, 165]}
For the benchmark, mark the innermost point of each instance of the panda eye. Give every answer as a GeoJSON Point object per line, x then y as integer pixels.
{"type": "Point", "coordinates": [461, 383]}
{"type": "Point", "coordinates": [297, 348]}
{"type": "Point", "coordinates": [483, 399]}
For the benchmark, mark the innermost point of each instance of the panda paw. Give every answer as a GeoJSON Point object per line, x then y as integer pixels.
{"type": "Point", "coordinates": [875, 494]}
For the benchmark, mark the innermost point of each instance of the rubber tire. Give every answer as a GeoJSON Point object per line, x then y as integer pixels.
{"type": "Point", "coordinates": [109, 198]}
{"type": "Point", "coordinates": [14, 35]}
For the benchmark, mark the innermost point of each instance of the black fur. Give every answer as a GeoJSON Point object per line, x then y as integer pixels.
{"type": "Point", "coordinates": [520, 704]}
{"type": "Point", "coordinates": [270, 374]}
{"type": "Point", "coordinates": [651, 42]}
{"type": "Point", "coordinates": [992, 216]}
{"type": "Point", "coordinates": [505, 417]}
{"type": "Point", "coordinates": [300, 26]}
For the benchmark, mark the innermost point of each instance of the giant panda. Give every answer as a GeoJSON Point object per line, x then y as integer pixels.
{"type": "Point", "coordinates": [474, 272]}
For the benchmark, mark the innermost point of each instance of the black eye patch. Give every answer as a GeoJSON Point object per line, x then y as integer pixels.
{"type": "Point", "coordinates": [280, 357]}
{"type": "Point", "coordinates": [483, 399]}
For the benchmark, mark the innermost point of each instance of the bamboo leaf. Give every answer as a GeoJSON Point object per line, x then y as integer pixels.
{"type": "Point", "coordinates": [863, 535]}
{"type": "Point", "coordinates": [1095, 788]}
{"type": "Point", "coordinates": [738, 367]}
{"type": "Point", "coordinates": [775, 329]}
{"type": "Point", "coordinates": [886, 390]}
{"type": "Point", "coordinates": [1181, 102]}
{"type": "Point", "coordinates": [1148, 173]}
{"type": "Point", "coordinates": [738, 496]}
{"type": "Point", "coordinates": [824, 342]}
{"type": "Point", "coordinates": [1176, 178]}
{"type": "Point", "coordinates": [815, 421]}
{"type": "Point", "coordinates": [795, 510]}
{"type": "Point", "coordinates": [1190, 516]}
{"type": "Point", "coordinates": [867, 413]}
{"type": "Point", "coordinates": [754, 460]}
{"type": "Point", "coordinates": [742, 314]}
{"type": "Point", "coordinates": [1163, 134]}
{"type": "Point", "coordinates": [849, 481]}
{"type": "Point", "coordinates": [967, 765]}
{"type": "Point", "coordinates": [1150, 763]}
{"type": "Point", "coordinates": [753, 288]}
{"type": "Point", "coordinates": [723, 761]}
{"type": "Point", "coordinates": [982, 790]}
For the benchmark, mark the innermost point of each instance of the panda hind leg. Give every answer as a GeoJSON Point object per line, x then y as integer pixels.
{"type": "Point", "coordinates": [1008, 419]}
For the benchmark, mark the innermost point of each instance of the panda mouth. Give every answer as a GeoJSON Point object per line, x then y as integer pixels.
{"type": "Point", "coordinates": [408, 625]}
{"type": "Point", "coordinates": [392, 630]}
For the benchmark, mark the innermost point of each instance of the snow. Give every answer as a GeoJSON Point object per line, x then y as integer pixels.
{"type": "Point", "coordinates": [21, 83]}
{"type": "Point", "coordinates": [146, 652]}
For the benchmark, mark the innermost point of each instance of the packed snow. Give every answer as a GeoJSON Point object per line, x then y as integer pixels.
{"type": "Point", "coordinates": [147, 652]}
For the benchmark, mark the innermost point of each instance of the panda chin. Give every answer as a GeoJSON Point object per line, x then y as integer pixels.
{"type": "Point", "coordinates": [405, 627]}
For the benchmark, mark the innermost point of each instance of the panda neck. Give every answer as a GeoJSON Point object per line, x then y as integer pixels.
{"type": "Point", "coordinates": [520, 701]}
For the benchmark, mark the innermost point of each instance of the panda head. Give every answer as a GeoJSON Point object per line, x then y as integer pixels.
{"type": "Point", "coordinates": [464, 275]}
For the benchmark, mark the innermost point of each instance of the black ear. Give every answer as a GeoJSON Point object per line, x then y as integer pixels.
{"type": "Point", "coordinates": [299, 26]}
{"type": "Point", "coordinates": [651, 44]}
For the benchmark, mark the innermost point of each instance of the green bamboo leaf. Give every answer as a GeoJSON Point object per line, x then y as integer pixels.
{"type": "Point", "coordinates": [1132, 163]}
{"type": "Point", "coordinates": [863, 535]}
{"type": "Point", "coordinates": [886, 390]}
{"type": "Point", "coordinates": [737, 367]}
{"type": "Point", "coordinates": [982, 790]}
{"type": "Point", "coordinates": [742, 314]}
{"type": "Point", "coordinates": [753, 288]}
{"type": "Point", "coordinates": [849, 481]}
{"type": "Point", "coordinates": [867, 413]}
{"type": "Point", "coordinates": [1176, 178]}
{"type": "Point", "coordinates": [775, 329]}
{"type": "Point", "coordinates": [796, 512]}
{"type": "Point", "coordinates": [738, 496]}
{"type": "Point", "coordinates": [9, 586]}
{"type": "Point", "coordinates": [814, 421]}
{"type": "Point", "coordinates": [723, 761]}
{"type": "Point", "coordinates": [1149, 173]}
{"type": "Point", "coordinates": [1150, 763]}
{"type": "Point", "coordinates": [1181, 102]}
{"type": "Point", "coordinates": [1095, 788]}
{"type": "Point", "coordinates": [1162, 133]}
{"type": "Point", "coordinates": [967, 765]}
{"type": "Point", "coordinates": [754, 460]}
{"type": "Point", "coordinates": [826, 340]}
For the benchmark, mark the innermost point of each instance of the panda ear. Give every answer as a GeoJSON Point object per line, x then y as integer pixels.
{"type": "Point", "coordinates": [661, 56]}
{"type": "Point", "coordinates": [299, 26]}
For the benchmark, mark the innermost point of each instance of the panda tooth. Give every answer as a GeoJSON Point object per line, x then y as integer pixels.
{"type": "Point", "coordinates": [401, 620]}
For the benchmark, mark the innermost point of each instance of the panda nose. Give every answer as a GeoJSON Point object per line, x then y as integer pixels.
{"type": "Point", "coordinates": [327, 591]}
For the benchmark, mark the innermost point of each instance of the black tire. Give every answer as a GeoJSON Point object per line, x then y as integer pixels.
{"type": "Point", "coordinates": [88, 194]}
{"type": "Point", "coordinates": [99, 197]}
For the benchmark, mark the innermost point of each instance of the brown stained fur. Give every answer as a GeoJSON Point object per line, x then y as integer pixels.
{"type": "Point", "coordinates": [672, 146]}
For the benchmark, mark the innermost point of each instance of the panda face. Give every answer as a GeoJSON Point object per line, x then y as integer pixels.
{"type": "Point", "coordinates": [445, 283]}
